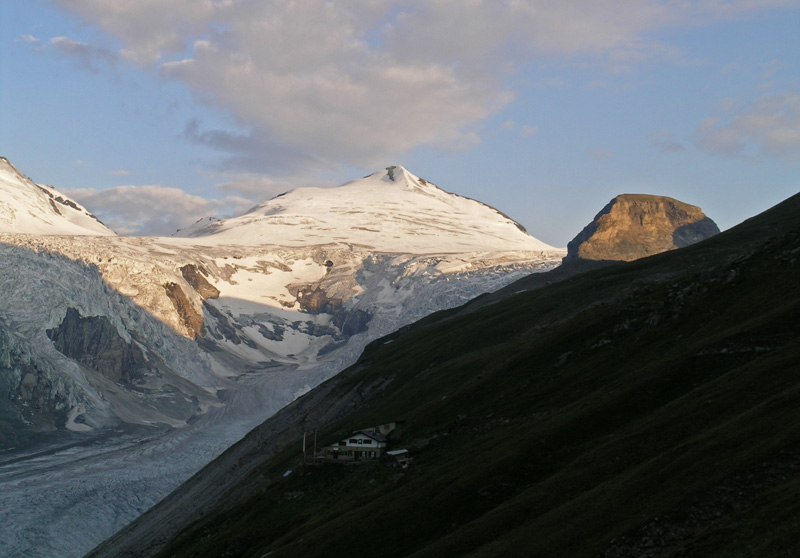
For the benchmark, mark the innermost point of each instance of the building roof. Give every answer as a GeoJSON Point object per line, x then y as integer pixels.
{"type": "Point", "coordinates": [376, 437]}
{"type": "Point", "coordinates": [397, 452]}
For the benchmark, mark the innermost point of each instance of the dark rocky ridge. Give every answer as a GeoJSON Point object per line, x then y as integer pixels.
{"type": "Point", "coordinates": [642, 392]}
{"type": "Point", "coordinates": [95, 343]}
{"type": "Point", "coordinates": [314, 300]}
{"type": "Point", "coordinates": [634, 226]}
{"type": "Point", "coordinates": [39, 405]}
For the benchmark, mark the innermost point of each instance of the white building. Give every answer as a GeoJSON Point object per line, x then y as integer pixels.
{"type": "Point", "coordinates": [362, 445]}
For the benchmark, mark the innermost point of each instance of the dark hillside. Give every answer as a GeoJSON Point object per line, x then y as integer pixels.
{"type": "Point", "coordinates": [649, 408]}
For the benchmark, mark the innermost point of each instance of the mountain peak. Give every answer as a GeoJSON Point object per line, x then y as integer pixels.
{"type": "Point", "coordinates": [30, 208]}
{"type": "Point", "coordinates": [633, 226]}
{"type": "Point", "coordinates": [390, 171]}
{"type": "Point", "coordinates": [396, 174]}
{"type": "Point", "coordinates": [391, 210]}
{"type": "Point", "coordinates": [7, 167]}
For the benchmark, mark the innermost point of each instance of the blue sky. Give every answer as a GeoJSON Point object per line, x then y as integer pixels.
{"type": "Point", "coordinates": [156, 113]}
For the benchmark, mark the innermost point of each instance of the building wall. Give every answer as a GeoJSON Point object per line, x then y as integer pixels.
{"type": "Point", "coordinates": [353, 453]}
{"type": "Point", "coordinates": [366, 442]}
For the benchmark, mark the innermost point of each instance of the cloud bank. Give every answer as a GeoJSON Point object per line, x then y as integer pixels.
{"type": "Point", "coordinates": [313, 83]}
{"type": "Point", "coordinates": [128, 210]}
{"type": "Point", "coordinates": [770, 126]}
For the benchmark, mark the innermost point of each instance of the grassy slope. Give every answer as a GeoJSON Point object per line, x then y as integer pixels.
{"type": "Point", "coordinates": [650, 407]}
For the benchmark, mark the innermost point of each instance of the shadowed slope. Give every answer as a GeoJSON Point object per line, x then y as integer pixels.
{"type": "Point", "coordinates": [649, 407]}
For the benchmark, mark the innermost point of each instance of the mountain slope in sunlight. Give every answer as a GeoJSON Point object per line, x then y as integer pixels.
{"type": "Point", "coordinates": [391, 210]}
{"type": "Point", "coordinates": [29, 208]}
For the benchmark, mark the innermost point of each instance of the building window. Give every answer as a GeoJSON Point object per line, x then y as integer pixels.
{"type": "Point", "coordinates": [367, 441]}
{"type": "Point", "coordinates": [353, 441]}
{"type": "Point", "coordinates": [342, 443]}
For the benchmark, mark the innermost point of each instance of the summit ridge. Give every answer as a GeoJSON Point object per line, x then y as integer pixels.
{"type": "Point", "coordinates": [391, 210]}
{"type": "Point", "coordinates": [30, 208]}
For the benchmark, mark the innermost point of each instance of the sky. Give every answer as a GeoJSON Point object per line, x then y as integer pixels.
{"type": "Point", "coordinates": [155, 113]}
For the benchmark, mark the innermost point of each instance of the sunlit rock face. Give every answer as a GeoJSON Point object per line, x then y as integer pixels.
{"type": "Point", "coordinates": [634, 226]}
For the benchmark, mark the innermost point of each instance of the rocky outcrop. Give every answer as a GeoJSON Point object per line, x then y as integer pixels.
{"type": "Point", "coordinates": [95, 343]}
{"type": "Point", "coordinates": [634, 226]}
{"type": "Point", "coordinates": [35, 402]}
{"type": "Point", "coordinates": [353, 322]}
{"type": "Point", "coordinates": [191, 318]}
{"type": "Point", "coordinates": [314, 300]}
{"type": "Point", "coordinates": [223, 328]}
{"type": "Point", "coordinates": [196, 278]}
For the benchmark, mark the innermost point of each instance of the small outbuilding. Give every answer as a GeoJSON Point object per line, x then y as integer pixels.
{"type": "Point", "coordinates": [401, 456]}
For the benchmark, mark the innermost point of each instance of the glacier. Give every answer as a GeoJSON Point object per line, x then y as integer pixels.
{"type": "Point", "coordinates": [132, 362]}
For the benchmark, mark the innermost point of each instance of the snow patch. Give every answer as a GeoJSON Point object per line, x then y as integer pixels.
{"type": "Point", "coordinates": [74, 413]}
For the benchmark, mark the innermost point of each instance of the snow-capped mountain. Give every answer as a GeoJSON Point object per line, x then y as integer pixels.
{"type": "Point", "coordinates": [221, 326]}
{"type": "Point", "coordinates": [389, 211]}
{"type": "Point", "coordinates": [302, 281]}
{"type": "Point", "coordinates": [26, 207]}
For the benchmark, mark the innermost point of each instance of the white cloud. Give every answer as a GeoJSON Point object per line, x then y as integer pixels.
{"type": "Point", "coordinates": [249, 152]}
{"type": "Point", "coordinates": [30, 39]}
{"type": "Point", "coordinates": [130, 209]}
{"type": "Point", "coordinates": [316, 83]}
{"type": "Point", "coordinates": [148, 28]}
{"type": "Point", "coordinates": [770, 126]}
{"type": "Point", "coordinates": [719, 140]}
{"type": "Point", "coordinates": [718, 8]}
{"type": "Point", "coordinates": [90, 57]}
{"type": "Point", "coordinates": [118, 173]}
{"type": "Point", "coordinates": [357, 115]}
{"type": "Point", "coordinates": [664, 141]}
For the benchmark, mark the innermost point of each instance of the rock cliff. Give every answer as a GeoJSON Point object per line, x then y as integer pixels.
{"type": "Point", "coordinates": [634, 226]}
